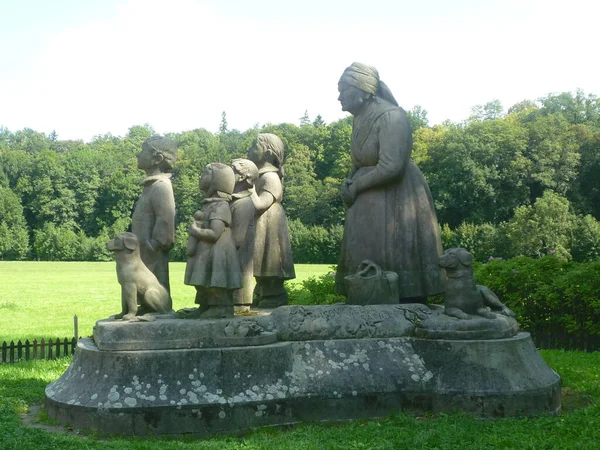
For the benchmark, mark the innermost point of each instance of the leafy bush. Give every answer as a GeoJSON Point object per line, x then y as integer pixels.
{"type": "Point", "coordinates": [586, 240]}
{"type": "Point", "coordinates": [179, 250]}
{"type": "Point", "coordinates": [56, 243]}
{"type": "Point", "coordinates": [315, 244]}
{"type": "Point", "coordinates": [315, 290]}
{"type": "Point", "coordinates": [547, 225]}
{"type": "Point", "coordinates": [480, 240]}
{"type": "Point", "coordinates": [547, 293]}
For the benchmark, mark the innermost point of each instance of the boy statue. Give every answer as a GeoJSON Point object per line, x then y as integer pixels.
{"type": "Point", "coordinates": [153, 220]}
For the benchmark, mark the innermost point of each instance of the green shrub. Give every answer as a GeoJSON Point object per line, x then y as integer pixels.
{"type": "Point", "coordinates": [480, 240]}
{"type": "Point", "coordinates": [547, 293]}
{"type": "Point", "coordinates": [179, 250]}
{"type": "Point", "coordinates": [56, 243]}
{"type": "Point", "coordinates": [315, 244]}
{"type": "Point", "coordinates": [586, 239]}
{"type": "Point", "coordinates": [315, 290]}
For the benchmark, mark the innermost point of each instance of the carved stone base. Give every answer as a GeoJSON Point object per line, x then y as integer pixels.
{"type": "Point", "coordinates": [445, 327]}
{"type": "Point", "coordinates": [229, 389]}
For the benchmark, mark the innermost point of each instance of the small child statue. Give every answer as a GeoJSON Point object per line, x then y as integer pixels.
{"type": "Point", "coordinates": [153, 220]}
{"type": "Point", "coordinates": [243, 227]}
{"type": "Point", "coordinates": [213, 267]}
{"type": "Point", "coordinates": [273, 262]}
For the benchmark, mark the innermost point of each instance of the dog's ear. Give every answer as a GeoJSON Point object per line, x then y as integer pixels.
{"type": "Point", "coordinates": [465, 257]}
{"type": "Point", "coordinates": [130, 242]}
{"type": "Point", "coordinates": [114, 244]}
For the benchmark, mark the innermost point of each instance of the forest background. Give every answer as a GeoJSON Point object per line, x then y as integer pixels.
{"type": "Point", "coordinates": [521, 182]}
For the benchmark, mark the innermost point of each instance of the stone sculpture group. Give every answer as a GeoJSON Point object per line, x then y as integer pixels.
{"type": "Point", "coordinates": [239, 232]}
{"type": "Point", "coordinates": [148, 372]}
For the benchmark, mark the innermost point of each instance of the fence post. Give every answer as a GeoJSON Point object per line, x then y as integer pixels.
{"type": "Point", "coordinates": [76, 327]}
{"type": "Point", "coordinates": [11, 352]}
{"type": "Point", "coordinates": [43, 349]}
{"type": "Point", "coordinates": [27, 353]}
{"type": "Point", "coordinates": [19, 350]}
{"type": "Point", "coordinates": [35, 349]}
{"type": "Point", "coordinates": [4, 359]}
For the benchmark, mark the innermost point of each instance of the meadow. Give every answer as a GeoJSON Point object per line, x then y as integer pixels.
{"type": "Point", "coordinates": [576, 427]}
{"type": "Point", "coordinates": [38, 299]}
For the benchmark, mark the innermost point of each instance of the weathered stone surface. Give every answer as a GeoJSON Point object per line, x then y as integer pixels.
{"type": "Point", "coordinates": [286, 323]}
{"type": "Point", "coordinates": [390, 216]}
{"type": "Point", "coordinates": [139, 286]}
{"type": "Point", "coordinates": [299, 323]}
{"type": "Point", "coordinates": [463, 298]}
{"type": "Point", "coordinates": [112, 335]}
{"type": "Point", "coordinates": [445, 327]}
{"type": "Point", "coordinates": [213, 267]}
{"type": "Point", "coordinates": [153, 220]}
{"type": "Point", "coordinates": [272, 260]}
{"type": "Point", "coordinates": [207, 391]}
{"type": "Point", "coordinates": [243, 227]}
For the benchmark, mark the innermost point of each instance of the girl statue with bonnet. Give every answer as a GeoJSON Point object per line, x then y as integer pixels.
{"type": "Point", "coordinates": [213, 267]}
{"type": "Point", "coordinates": [390, 217]}
{"type": "Point", "coordinates": [273, 263]}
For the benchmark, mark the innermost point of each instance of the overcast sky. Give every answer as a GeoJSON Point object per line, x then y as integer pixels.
{"type": "Point", "coordinates": [90, 67]}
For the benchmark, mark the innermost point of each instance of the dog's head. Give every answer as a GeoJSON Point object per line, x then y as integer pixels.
{"type": "Point", "coordinates": [123, 241]}
{"type": "Point", "coordinates": [456, 259]}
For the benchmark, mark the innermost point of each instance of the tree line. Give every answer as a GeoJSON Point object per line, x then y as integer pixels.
{"type": "Point", "coordinates": [521, 182]}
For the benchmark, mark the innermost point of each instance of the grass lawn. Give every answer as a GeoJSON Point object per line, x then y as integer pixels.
{"type": "Point", "coordinates": [39, 299]}
{"type": "Point", "coordinates": [577, 427]}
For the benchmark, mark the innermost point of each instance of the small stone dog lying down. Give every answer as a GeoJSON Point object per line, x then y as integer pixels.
{"type": "Point", "coordinates": [463, 296]}
{"type": "Point", "coordinates": [138, 284]}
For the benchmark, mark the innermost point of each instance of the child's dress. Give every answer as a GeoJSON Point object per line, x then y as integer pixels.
{"type": "Point", "coordinates": [215, 264]}
{"type": "Point", "coordinates": [272, 248]}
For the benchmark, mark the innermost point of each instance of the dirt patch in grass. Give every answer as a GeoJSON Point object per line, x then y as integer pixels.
{"type": "Point", "coordinates": [36, 417]}
{"type": "Point", "coordinates": [572, 400]}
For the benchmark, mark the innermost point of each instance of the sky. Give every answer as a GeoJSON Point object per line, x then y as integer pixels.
{"type": "Point", "coordinates": [85, 68]}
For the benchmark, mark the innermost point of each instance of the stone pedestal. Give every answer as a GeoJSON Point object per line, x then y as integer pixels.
{"type": "Point", "coordinates": [218, 388]}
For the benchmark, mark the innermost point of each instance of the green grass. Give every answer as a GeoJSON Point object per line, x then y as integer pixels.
{"type": "Point", "coordinates": [39, 299]}
{"type": "Point", "coordinates": [577, 427]}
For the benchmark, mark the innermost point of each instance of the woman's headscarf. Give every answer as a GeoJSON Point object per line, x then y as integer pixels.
{"type": "Point", "coordinates": [366, 78]}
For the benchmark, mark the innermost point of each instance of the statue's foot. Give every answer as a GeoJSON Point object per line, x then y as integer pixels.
{"type": "Point", "coordinates": [217, 312]}
{"type": "Point", "coordinates": [128, 316]}
{"type": "Point", "coordinates": [274, 301]}
{"type": "Point", "coordinates": [485, 313]}
{"type": "Point", "coordinates": [118, 316]}
{"type": "Point", "coordinates": [194, 313]}
{"type": "Point", "coordinates": [458, 313]}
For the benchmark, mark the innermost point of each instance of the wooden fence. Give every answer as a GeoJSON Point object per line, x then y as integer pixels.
{"type": "Point", "coordinates": [559, 339]}
{"type": "Point", "coordinates": [50, 349]}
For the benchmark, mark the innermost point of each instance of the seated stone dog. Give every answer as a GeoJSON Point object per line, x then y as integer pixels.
{"type": "Point", "coordinates": [139, 285]}
{"type": "Point", "coordinates": [463, 296]}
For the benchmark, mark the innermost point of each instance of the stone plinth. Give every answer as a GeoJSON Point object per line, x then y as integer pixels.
{"type": "Point", "coordinates": [172, 334]}
{"type": "Point", "coordinates": [225, 389]}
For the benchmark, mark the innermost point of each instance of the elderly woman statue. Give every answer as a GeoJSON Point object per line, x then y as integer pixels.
{"type": "Point", "coordinates": [390, 218]}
